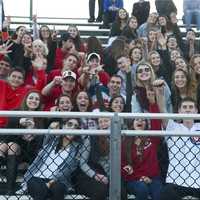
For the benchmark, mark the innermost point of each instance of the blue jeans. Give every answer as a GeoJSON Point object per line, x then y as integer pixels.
{"type": "Point", "coordinates": [189, 15]}
{"type": "Point", "coordinates": [142, 190]}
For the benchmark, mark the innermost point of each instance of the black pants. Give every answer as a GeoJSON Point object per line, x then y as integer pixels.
{"type": "Point", "coordinates": [176, 192]}
{"type": "Point", "coordinates": [39, 191]}
{"type": "Point", "coordinates": [92, 8]}
{"type": "Point", "coordinates": [109, 17]}
{"type": "Point", "coordinates": [90, 187]}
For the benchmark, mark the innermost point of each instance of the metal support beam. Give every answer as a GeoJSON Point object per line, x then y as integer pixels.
{"type": "Point", "coordinates": [115, 159]}
{"type": "Point", "coordinates": [31, 10]}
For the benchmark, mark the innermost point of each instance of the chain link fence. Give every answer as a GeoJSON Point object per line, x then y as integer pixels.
{"type": "Point", "coordinates": [84, 164]}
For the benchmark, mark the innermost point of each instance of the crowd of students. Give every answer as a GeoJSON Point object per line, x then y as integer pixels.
{"type": "Point", "coordinates": [147, 67]}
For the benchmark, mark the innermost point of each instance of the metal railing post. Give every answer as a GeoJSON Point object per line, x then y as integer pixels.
{"type": "Point", "coordinates": [31, 10]}
{"type": "Point", "coordinates": [115, 159]}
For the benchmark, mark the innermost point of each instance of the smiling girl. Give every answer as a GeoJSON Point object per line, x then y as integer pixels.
{"type": "Point", "coordinates": [140, 165]}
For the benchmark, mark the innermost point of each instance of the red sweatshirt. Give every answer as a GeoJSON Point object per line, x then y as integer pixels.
{"type": "Point", "coordinates": [39, 82]}
{"type": "Point", "coordinates": [148, 165]}
{"type": "Point", "coordinates": [49, 101]}
{"type": "Point", "coordinates": [59, 57]}
{"type": "Point", "coordinates": [52, 74]}
{"type": "Point", "coordinates": [104, 77]}
{"type": "Point", "coordinates": [11, 99]}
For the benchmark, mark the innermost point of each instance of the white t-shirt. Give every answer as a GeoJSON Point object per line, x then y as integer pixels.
{"type": "Point", "coordinates": [184, 156]}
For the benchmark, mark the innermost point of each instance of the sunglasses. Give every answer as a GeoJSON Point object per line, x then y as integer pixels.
{"type": "Point", "coordinates": [147, 69]}
{"type": "Point", "coordinates": [72, 125]}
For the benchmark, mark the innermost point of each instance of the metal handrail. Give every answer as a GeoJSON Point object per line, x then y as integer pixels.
{"type": "Point", "coordinates": [159, 115]}
{"type": "Point", "coordinates": [10, 131]}
{"type": "Point", "coordinates": [55, 114]}
{"type": "Point", "coordinates": [98, 114]}
{"type": "Point", "coordinates": [159, 133]}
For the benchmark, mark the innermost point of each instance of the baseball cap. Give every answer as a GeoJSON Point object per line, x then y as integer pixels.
{"type": "Point", "coordinates": [66, 36]}
{"type": "Point", "coordinates": [68, 73]}
{"type": "Point", "coordinates": [93, 55]}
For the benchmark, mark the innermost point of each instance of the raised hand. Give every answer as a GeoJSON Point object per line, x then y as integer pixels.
{"type": "Point", "coordinates": [159, 86]}
{"type": "Point", "coordinates": [54, 125]}
{"type": "Point", "coordinates": [159, 90]}
{"type": "Point", "coordinates": [57, 80]}
{"type": "Point", "coordinates": [54, 34]}
{"type": "Point", "coordinates": [96, 70]}
{"type": "Point", "coordinates": [34, 18]}
{"type": "Point", "coordinates": [86, 69]}
{"type": "Point", "coordinates": [162, 41]}
{"type": "Point", "coordinates": [27, 123]}
{"type": "Point", "coordinates": [128, 65]}
{"type": "Point", "coordinates": [4, 48]}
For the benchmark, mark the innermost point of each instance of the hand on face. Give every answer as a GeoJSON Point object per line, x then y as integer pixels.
{"type": "Point", "coordinates": [27, 123]}
{"type": "Point", "coordinates": [57, 80]}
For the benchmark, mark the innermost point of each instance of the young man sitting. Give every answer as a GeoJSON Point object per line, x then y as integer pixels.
{"type": "Point", "coordinates": [184, 157]}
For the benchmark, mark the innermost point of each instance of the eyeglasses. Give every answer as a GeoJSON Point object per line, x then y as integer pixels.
{"type": "Point", "coordinates": [147, 69]}
{"type": "Point", "coordinates": [72, 125]}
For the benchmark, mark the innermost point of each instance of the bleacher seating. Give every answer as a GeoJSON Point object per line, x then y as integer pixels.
{"type": "Point", "coordinates": [86, 30]}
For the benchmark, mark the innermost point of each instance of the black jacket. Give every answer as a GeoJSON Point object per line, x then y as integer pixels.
{"type": "Point", "coordinates": [165, 7]}
{"type": "Point", "coordinates": [141, 11]}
